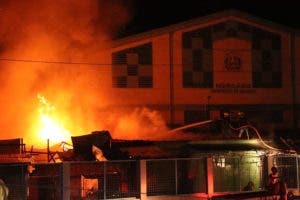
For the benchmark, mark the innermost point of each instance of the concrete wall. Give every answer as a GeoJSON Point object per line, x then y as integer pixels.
{"type": "Point", "coordinates": [158, 97]}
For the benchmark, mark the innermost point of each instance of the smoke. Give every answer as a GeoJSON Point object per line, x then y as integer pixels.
{"type": "Point", "coordinates": [143, 124]}
{"type": "Point", "coordinates": [65, 31]}
{"type": "Point", "coordinates": [40, 40]}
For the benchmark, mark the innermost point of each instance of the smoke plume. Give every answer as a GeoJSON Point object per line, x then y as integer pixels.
{"type": "Point", "coordinates": [53, 49]}
{"type": "Point", "coordinates": [39, 41]}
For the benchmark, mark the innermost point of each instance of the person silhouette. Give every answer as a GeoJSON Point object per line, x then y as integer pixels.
{"type": "Point", "coordinates": [243, 122]}
{"type": "Point", "coordinates": [249, 186]}
{"type": "Point", "coordinates": [273, 183]}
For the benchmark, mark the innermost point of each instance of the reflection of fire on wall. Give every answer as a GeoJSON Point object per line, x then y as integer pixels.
{"type": "Point", "coordinates": [241, 65]}
{"type": "Point", "coordinates": [236, 60]}
{"type": "Point", "coordinates": [231, 52]}
{"type": "Point", "coordinates": [232, 62]}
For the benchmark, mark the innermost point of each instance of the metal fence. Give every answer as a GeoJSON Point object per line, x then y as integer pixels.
{"type": "Point", "coordinates": [238, 173]}
{"type": "Point", "coordinates": [45, 182]}
{"type": "Point", "coordinates": [104, 180]}
{"type": "Point", "coordinates": [15, 178]}
{"type": "Point", "coordinates": [288, 169]}
{"type": "Point", "coordinates": [123, 179]}
{"type": "Point", "coordinates": [176, 176]}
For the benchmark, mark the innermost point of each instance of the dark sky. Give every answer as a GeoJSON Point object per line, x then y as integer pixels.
{"type": "Point", "coordinates": [150, 14]}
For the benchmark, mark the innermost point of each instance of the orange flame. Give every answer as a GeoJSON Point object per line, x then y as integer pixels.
{"type": "Point", "coordinates": [49, 125]}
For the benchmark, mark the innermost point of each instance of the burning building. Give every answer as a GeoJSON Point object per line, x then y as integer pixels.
{"type": "Point", "coordinates": [74, 81]}
{"type": "Point", "coordinates": [195, 70]}
{"type": "Point", "coordinates": [77, 80]}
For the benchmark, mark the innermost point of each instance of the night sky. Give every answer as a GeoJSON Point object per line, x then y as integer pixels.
{"type": "Point", "coordinates": [150, 14]}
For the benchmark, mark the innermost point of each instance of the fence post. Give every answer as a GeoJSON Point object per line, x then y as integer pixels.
{"type": "Point", "coordinates": [176, 178]}
{"type": "Point", "coordinates": [143, 181]}
{"type": "Point", "coordinates": [210, 176]}
{"type": "Point", "coordinates": [270, 162]}
{"type": "Point", "coordinates": [297, 170]}
{"type": "Point", "coordinates": [104, 179]}
{"type": "Point", "coordinates": [66, 180]}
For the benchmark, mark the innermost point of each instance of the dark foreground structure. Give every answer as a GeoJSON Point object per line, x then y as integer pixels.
{"type": "Point", "coordinates": [221, 176]}
{"type": "Point", "coordinates": [215, 169]}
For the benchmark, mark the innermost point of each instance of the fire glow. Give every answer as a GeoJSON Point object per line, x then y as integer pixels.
{"type": "Point", "coordinates": [48, 124]}
{"type": "Point", "coordinates": [38, 51]}
{"type": "Point", "coordinates": [53, 57]}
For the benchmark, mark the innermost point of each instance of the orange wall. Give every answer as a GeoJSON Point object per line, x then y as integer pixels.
{"type": "Point", "coordinates": [258, 96]}
{"type": "Point", "coordinates": [159, 94]}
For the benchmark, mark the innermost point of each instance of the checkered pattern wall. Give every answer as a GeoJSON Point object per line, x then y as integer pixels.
{"type": "Point", "coordinates": [197, 54]}
{"type": "Point", "coordinates": [197, 58]}
{"type": "Point", "coordinates": [132, 67]}
{"type": "Point", "coordinates": [266, 60]}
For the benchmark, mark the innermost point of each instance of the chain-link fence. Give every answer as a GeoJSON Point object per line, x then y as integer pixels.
{"type": "Point", "coordinates": [191, 176]}
{"type": "Point", "coordinates": [288, 169]}
{"type": "Point", "coordinates": [45, 182]}
{"type": "Point", "coordinates": [176, 176]}
{"type": "Point", "coordinates": [15, 177]}
{"type": "Point", "coordinates": [87, 180]}
{"type": "Point", "coordinates": [104, 180]}
{"type": "Point", "coordinates": [238, 173]}
{"type": "Point", "coordinates": [161, 177]}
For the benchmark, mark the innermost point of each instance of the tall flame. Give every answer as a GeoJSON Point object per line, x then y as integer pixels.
{"type": "Point", "coordinates": [49, 126]}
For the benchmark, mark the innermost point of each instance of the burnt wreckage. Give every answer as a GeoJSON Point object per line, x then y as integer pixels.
{"type": "Point", "coordinates": [229, 133]}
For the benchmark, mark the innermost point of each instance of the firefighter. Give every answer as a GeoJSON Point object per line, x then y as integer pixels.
{"type": "Point", "coordinates": [274, 184]}
{"type": "Point", "coordinates": [243, 125]}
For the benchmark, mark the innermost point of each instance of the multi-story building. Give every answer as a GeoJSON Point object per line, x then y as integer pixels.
{"type": "Point", "coordinates": [193, 70]}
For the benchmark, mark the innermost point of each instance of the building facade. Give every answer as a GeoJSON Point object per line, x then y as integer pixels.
{"type": "Point", "coordinates": [228, 61]}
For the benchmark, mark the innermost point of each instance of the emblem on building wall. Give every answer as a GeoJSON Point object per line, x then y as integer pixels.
{"type": "Point", "coordinates": [232, 61]}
